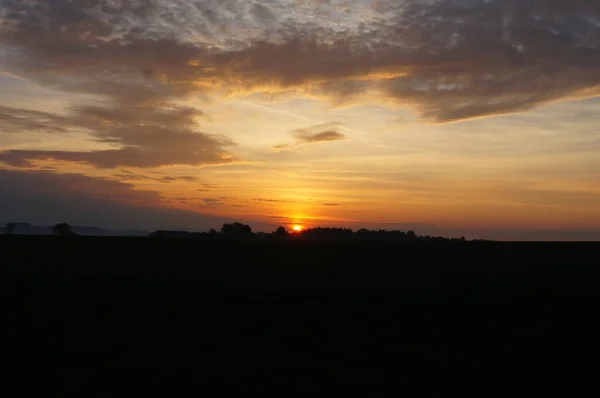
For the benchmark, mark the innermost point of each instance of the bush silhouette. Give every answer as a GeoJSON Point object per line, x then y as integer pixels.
{"type": "Point", "coordinates": [63, 229]}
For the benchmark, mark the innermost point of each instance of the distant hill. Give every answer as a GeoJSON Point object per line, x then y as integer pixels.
{"type": "Point", "coordinates": [23, 228]}
{"type": "Point", "coordinates": [97, 231]}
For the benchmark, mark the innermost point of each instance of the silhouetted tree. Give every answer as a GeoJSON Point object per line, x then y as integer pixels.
{"type": "Point", "coordinates": [281, 233]}
{"type": "Point", "coordinates": [63, 229]}
{"type": "Point", "coordinates": [236, 229]}
{"type": "Point", "coordinates": [212, 232]}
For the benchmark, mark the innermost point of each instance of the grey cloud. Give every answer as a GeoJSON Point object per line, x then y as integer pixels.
{"type": "Point", "coordinates": [14, 120]}
{"type": "Point", "coordinates": [45, 198]}
{"type": "Point", "coordinates": [320, 133]}
{"type": "Point", "coordinates": [496, 57]}
{"type": "Point", "coordinates": [148, 138]}
{"type": "Point", "coordinates": [127, 157]}
{"type": "Point", "coordinates": [451, 60]}
{"type": "Point", "coordinates": [263, 14]}
{"type": "Point", "coordinates": [42, 184]}
{"type": "Point", "coordinates": [325, 136]}
{"type": "Point", "coordinates": [80, 48]}
{"type": "Point", "coordinates": [175, 117]}
{"type": "Point", "coordinates": [326, 132]}
{"type": "Point", "coordinates": [129, 176]}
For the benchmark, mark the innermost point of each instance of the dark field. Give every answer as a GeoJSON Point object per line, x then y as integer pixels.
{"type": "Point", "coordinates": [125, 316]}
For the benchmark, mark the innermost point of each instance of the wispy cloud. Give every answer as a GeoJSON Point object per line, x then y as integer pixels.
{"type": "Point", "coordinates": [281, 147]}
{"type": "Point", "coordinates": [313, 135]}
{"type": "Point", "coordinates": [273, 200]}
{"type": "Point", "coordinates": [130, 176]}
{"type": "Point", "coordinates": [14, 120]}
{"type": "Point", "coordinates": [325, 136]}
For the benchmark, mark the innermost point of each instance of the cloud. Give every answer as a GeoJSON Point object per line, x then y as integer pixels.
{"type": "Point", "coordinates": [178, 178]}
{"type": "Point", "coordinates": [280, 147]}
{"type": "Point", "coordinates": [326, 132]}
{"type": "Point", "coordinates": [207, 188]}
{"type": "Point", "coordinates": [145, 137]}
{"type": "Point", "coordinates": [449, 60]}
{"type": "Point", "coordinates": [273, 200]}
{"type": "Point", "coordinates": [45, 198]}
{"type": "Point", "coordinates": [213, 201]}
{"type": "Point", "coordinates": [79, 48]}
{"type": "Point", "coordinates": [130, 157]}
{"type": "Point", "coordinates": [14, 120]}
{"type": "Point", "coordinates": [43, 184]}
{"type": "Point", "coordinates": [325, 136]}
{"type": "Point", "coordinates": [130, 176]}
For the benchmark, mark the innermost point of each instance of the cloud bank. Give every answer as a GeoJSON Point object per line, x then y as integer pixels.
{"type": "Point", "coordinates": [45, 198]}
{"type": "Point", "coordinates": [449, 60]}
{"type": "Point", "coordinates": [142, 137]}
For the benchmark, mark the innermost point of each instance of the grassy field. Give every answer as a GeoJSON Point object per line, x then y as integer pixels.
{"type": "Point", "coordinates": [96, 316]}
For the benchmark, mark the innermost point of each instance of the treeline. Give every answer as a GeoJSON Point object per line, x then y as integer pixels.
{"type": "Point", "coordinates": [242, 231]}
{"type": "Point", "coordinates": [238, 230]}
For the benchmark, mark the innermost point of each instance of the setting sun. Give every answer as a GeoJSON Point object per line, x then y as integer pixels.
{"type": "Point", "coordinates": [297, 228]}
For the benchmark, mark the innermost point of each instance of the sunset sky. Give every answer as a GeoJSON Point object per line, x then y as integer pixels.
{"type": "Point", "coordinates": [452, 117]}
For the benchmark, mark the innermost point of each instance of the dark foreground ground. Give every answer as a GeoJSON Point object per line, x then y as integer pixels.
{"type": "Point", "coordinates": [128, 316]}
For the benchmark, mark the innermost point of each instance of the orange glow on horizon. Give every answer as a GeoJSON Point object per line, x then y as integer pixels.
{"type": "Point", "coordinates": [297, 228]}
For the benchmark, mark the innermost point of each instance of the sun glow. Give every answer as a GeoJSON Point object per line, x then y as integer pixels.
{"type": "Point", "coordinates": [297, 228]}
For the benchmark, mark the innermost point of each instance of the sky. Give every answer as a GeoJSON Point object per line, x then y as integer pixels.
{"type": "Point", "coordinates": [452, 117]}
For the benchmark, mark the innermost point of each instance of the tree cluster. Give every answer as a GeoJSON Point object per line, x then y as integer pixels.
{"type": "Point", "coordinates": [239, 230]}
